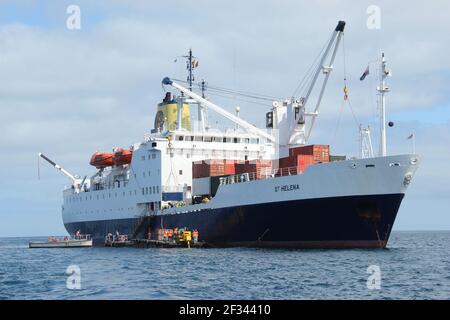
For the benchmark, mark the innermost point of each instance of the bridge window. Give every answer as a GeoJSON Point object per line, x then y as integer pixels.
{"type": "Point", "coordinates": [198, 138]}
{"type": "Point", "coordinates": [180, 138]}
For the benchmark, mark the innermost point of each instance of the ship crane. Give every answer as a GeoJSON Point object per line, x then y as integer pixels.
{"type": "Point", "coordinates": [287, 117]}
{"type": "Point", "coordinates": [298, 134]}
{"type": "Point", "coordinates": [58, 167]}
{"type": "Point", "coordinates": [239, 121]}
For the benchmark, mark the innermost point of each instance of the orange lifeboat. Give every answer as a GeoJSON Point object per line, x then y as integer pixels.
{"type": "Point", "coordinates": [101, 160]}
{"type": "Point", "coordinates": [122, 157]}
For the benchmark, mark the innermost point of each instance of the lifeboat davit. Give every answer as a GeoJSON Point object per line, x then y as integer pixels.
{"type": "Point", "coordinates": [101, 160]}
{"type": "Point", "coordinates": [122, 157]}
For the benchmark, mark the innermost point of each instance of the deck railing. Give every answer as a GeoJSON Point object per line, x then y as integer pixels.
{"type": "Point", "coordinates": [265, 173]}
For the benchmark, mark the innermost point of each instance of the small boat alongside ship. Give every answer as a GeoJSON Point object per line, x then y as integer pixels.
{"type": "Point", "coordinates": [78, 241]}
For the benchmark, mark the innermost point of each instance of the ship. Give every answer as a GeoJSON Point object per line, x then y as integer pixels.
{"type": "Point", "coordinates": [243, 186]}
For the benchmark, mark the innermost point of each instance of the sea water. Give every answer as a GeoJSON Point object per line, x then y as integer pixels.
{"type": "Point", "coordinates": [416, 265]}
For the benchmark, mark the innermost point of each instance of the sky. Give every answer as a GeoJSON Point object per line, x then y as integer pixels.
{"type": "Point", "coordinates": [68, 93]}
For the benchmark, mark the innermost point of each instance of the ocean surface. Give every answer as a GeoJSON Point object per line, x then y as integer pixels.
{"type": "Point", "coordinates": [415, 266]}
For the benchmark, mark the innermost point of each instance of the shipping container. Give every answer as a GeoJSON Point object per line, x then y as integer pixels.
{"type": "Point", "coordinates": [259, 167]}
{"type": "Point", "coordinates": [229, 166]}
{"type": "Point", "coordinates": [201, 186]}
{"type": "Point", "coordinates": [320, 152]}
{"type": "Point", "coordinates": [208, 168]}
{"type": "Point", "coordinates": [304, 161]}
{"type": "Point", "coordinates": [287, 162]}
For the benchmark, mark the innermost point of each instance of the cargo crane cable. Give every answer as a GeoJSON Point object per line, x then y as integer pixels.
{"type": "Point", "coordinates": [38, 168]}
{"type": "Point", "coordinates": [243, 100]}
{"type": "Point", "coordinates": [238, 93]}
{"type": "Point", "coordinates": [271, 99]}
{"type": "Point", "coordinates": [172, 173]}
{"type": "Point", "coordinates": [345, 68]}
{"type": "Point", "coordinates": [346, 96]}
{"type": "Point", "coordinates": [338, 124]}
{"type": "Point", "coordinates": [309, 73]}
{"type": "Point", "coordinates": [245, 93]}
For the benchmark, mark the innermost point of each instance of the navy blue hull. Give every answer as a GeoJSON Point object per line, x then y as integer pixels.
{"type": "Point", "coordinates": [338, 222]}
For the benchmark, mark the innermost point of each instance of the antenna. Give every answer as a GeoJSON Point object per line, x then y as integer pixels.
{"type": "Point", "coordinates": [191, 64]}
{"type": "Point", "coordinates": [203, 83]}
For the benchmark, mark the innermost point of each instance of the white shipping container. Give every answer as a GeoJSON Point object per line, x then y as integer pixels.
{"type": "Point", "coordinates": [201, 186]}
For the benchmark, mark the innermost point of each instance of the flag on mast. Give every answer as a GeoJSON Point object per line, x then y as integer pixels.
{"type": "Point", "coordinates": [365, 74]}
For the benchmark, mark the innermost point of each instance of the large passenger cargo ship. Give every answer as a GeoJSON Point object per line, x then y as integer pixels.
{"type": "Point", "coordinates": [244, 186]}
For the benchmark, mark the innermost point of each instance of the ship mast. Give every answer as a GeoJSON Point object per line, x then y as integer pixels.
{"type": "Point", "coordinates": [190, 67]}
{"type": "Point", "coordinates": [383, 89]}
{"type": "Point", "coordinates": [191, 64]}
